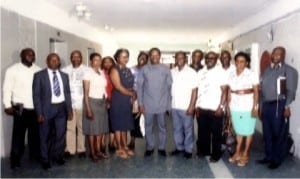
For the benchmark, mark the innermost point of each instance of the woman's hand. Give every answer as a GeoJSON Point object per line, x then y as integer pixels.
{"type": "Point", "coordinates": [89, 114]}
{"type": "Point", "coordinates": [255, 112]}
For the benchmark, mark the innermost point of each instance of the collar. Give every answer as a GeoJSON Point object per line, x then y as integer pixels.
{"type": "Point", "coordinates": [51, 71]}
{"type": "Point", "coordinates": [273, 65]}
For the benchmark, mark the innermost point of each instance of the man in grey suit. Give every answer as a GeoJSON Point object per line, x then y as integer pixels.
{"type": "Point", "coordinates": [52, 103]}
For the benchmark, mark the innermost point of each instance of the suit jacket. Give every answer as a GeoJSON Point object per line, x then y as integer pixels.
{"type": "Point", "coordinates": [42, 92]}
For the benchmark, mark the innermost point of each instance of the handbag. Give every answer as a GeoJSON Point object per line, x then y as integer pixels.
{"type": "Point", "coordinates": [229, 137]}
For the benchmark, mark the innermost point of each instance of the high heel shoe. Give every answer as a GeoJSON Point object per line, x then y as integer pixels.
{"type": "Point", "coordinates": [243, 161]}
{"type": "Point", "coordinates": [235, 158]}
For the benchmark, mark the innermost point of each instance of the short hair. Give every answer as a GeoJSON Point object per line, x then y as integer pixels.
{"type": "Point", "coordinates": [76, 51]}
{"type": "Point", "coordinates": [25, 50]}
{"type": "Point", "coordinates": [154, 49]}
{"type": "Point", "coordinates": [197, 51]}
{"type": "Point", "coordinates": [51, 55]}
{"type": "Point", "coordinates": [93, 55]}
{"type": "Point", "coordinates": [209, 53]}
{"type": "Point", "coordinates": [279, 48]}
{"type": "Point", "coordinates": [226, 52]}
{"type": "Point", "coordinates": [107, 58]}
{"type": "Point", "coordinates": [119, 51]}
{"type": "Point", "coordinates": [244, 55]}
{"type": "Point", "coordinates": [180, 53]}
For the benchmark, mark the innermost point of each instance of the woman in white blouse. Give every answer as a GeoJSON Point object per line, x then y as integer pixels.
{"type": "Point", "coordinates": [243, 104]}
{"type": "Point", "coordinates": [95, 119]}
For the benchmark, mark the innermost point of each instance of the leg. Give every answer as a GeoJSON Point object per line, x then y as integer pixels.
{"type": "Point", "coordinates": [216, 128]}
{"type": "Point", "coordinates": [237, 154]}
{"type": "Point", "coordinates": [267, 130]}
{"type": "Point", "coordinates": [120, 149]}
{"type": "Point", "coordinates": [161, 131]}
{"type": "Point", "coordinates": [178, 130]}
{"type": "Point", "coordinates": [91, 141]}
{"type": "Point", "coordinates": [203, 134]}
{"type": "Point", "coordinates": [71, 133]}
{"type": "Point", "coordinates": [80, 135]}
{"type": "Point", "coordinates": [60, 122]}
{"type": "Point", "coordinates": [149, 131]}
{"type": "Point", "coordinates": [33, 136]}
{"type": "Point", "coordinates": [188, 123]}
{"type": "Point", "coordinates": [44, 129]}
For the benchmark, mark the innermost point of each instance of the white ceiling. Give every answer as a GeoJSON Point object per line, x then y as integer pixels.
{"type": "Point", "coordinates": [167, 21]}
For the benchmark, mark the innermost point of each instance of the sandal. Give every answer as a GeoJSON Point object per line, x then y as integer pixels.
{"type": "Point", "coordinates": [235, 158]}
{"type": "Point", "coordinates": [102, 155]}
{"type": "Point", "coordinates": [129, 152]}
{"type": "Point", "coordinates": [122, 154]}
{"type": "Point", "coordinates": [94, 158]}
{"type": "Point", "coordinates": [243, 161]}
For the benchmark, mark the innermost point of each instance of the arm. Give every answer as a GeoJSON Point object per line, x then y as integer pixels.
{"type": "Point", "coordinates": [228, 101]}
{"type": "Point", "coordinates": [169, 83]}
{"type": "Point", "coordinates": [192, 104]}
{"type": "Point", "coordinates": [140, 91]}
{"type": "Point", "coordinates": [222, 104]}
{"type": "Point", "coordinates": [86, 88]}
{"type": "Point", "coordinates": [68, 99]}
{"type": "Point", "coordinates": [7, 92]}
{"type": "Point", "coordinates": [115, 79]}
{"type": "Point", "coordinates": [255, 101]}
{"type": "Point", "coordinates": [36, 95]}
{"type": "Point", "coordinates": [291, 87]}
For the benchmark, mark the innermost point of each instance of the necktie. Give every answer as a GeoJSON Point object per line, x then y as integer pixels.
{"type": "Point", "coordinates": [56, 87]}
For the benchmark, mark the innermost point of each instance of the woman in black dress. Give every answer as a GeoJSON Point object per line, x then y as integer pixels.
{"type": "Point", "coordinates": [121, 102]}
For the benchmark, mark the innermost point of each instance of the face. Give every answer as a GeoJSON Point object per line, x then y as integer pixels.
{"type": "Point", "coordinates": [180, 60]}
{"type": "Point", "coordinates": [123, 58]}
{"type": "Point", "coordinates": [107, 64]}
{"type": "Point", "coordinates": [241, 63]}
{"type": "Point", "coordinates": [197, 57]}
{"type": "Point", "coordinates": [142, 60]}
{"type": "Point", "coordinates": [76, 59]}
{"type": "Point", "coordinates": [28, 57]}
{"type": "Point", "coordinates": [277, 55]}
{"type": "Point", "coordinates": [225, 59]}
{"type": "Point", "coordinates": [53, 62]}
{"type": "Point", "coordinates": [96, 62]}
{"type": "Point", "coordinates": [155, 57]}
{"type": "Point", "coordinates": [211, 60]}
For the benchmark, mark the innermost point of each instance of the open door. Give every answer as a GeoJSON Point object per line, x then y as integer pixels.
{"type": "Point", "coordinates": [265, 61]}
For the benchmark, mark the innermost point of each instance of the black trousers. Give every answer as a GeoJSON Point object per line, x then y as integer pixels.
{"type": "Point", "coordinates": [136, 132]}
{"type": "Point", "coordinates": [22, 122]}
{"type": "Point", "coordinates": [209, 134]}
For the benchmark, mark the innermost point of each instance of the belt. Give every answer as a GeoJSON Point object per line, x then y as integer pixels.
{"type": "Point", "coordinates": [273, 101]}
{"type": "Point", "coordinates": [242, 92]}
{"type": "Point", "coordinates": [57, 104]}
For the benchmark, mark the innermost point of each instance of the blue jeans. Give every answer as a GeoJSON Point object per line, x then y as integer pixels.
{"type": "Point", "coordinates": [149, 130]}
{"type": "Point", "coordinates": [183, 126]}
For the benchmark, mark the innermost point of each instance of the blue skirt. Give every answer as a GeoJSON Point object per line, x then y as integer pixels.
{"type": "Point", "coordinates": [243, 122]}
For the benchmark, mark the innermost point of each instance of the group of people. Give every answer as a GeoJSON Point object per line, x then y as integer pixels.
{"type": "Point", "coordinates": [62, 107]}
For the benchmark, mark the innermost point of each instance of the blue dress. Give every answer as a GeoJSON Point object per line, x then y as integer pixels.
{"type": "Point", "coordinates": [121, 105]}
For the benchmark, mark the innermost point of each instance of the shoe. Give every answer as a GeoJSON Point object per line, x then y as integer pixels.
{"type": "Point", "coordinates": [263, 161]}
{"type": "Point", "coordinates": [111, 148]}
{"type": "Point", "coordinates": [15, 164]}
{"type": "Point", "coordinates": [60, 161]}
{"type": "Point", "coordinates": [122, 154]}
{"type": "Point", "coordinates": [81, 155]}
{"type": "Point", "coordinates": [148, 153]}
{"type": "Point", "coordinates": [129, 152]}
{"type": "Point", "coordinates": [103, 149]}
{"type": "Point", "coordinates": [101, 155]}
{"type": "Point", "coordinates": [162, 153]}
{"type": "Point", "coordinates": [213, 160]}
{"type": "Point", "coordinates": [68, 155]}
{"type": "Point", "coordinates": [176, 152]}
{"type": "Point", "coordinates": [243, 161]}
{"type": "Point", "coordinates": [94, 158]}
{"type": "Point", "coordinates": [273, 165]}
{"type": "Point", "coordinates": [188, 155]}
{"type": "Point", "coordinates": [234, 159]}
{"type": "Point", "coordinates": [131, 145]}
{"type": "Point", "coordinates": [46, 165]}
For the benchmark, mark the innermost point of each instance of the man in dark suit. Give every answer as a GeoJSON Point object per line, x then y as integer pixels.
{"type": "Point", "coordinates": [52, 103]}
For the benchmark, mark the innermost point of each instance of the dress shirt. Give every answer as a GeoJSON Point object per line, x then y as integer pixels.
{"type": "Point", "coordinates": [246, 80]}
{"type": "Point", "coordinates": [56, 99]}
{"type": "Point", "coordinates": [184, 82]}
{"type": "Point", "coordinates": [98, 83]}
{"type": "Point", "coordinates": [269, 83]}
{"type": "Point", "coordinates": [17, 86]}
{"type": "Point", "coordinates": [154, 88]}
{"type": "Point", "coordinates": [209, 87]}
{"type": "Point", "coordinates": [76, 87]}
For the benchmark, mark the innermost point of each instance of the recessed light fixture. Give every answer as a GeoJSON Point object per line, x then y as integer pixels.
{"type": "Point", "coordinates": [82, 11]}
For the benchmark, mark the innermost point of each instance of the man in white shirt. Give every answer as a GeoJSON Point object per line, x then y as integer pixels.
{"type": "Point", "coordinates": [184, 95]}
{"type": "Point", "coordinates": [17, 99]}
{"type": "Point", "coordinates": [75, 141]}
{"type": "Point", "coordinates": [210, 105]}
{"type": "Point", "coordinates": [53, 106]}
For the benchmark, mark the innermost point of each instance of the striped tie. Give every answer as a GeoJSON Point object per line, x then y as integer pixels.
{"type": "Point", "coordinates": [56, 87]}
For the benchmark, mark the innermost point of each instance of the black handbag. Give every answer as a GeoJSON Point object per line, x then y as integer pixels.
{"type": "Point", "coordinates": [229, 137]}
{"type": "Point", "coordinates": [290, 145]}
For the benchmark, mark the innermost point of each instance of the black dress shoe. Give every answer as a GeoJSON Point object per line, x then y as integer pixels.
{"type": "Point", "coordinates": [46, 165]}
{"type": "Point", "coordinates": [68, 155]}
{"type": "Point", "coordinates": [162, 153]}
{"type": "Point", "coordinates": [111, 148]}
{"type": "Point", "coordinates": [148, 153]}
{"type": "Point", "coordinates": [263, 161]}
{"type": "Point", "coordinates": [176, 152]}
{"type": "Point", "coordinates": [188, 155]}
{"type": "Point", "coordinates": [60, 161]}
{"type": "Point", "coordinates": [81, 155]}
{"type": "Point", "coordinates": [213, 160]}
{"type": "Point", "coordinates": [273, 165]}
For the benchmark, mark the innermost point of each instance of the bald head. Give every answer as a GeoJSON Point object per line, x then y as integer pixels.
{"type": "Point", "coordinates": [278, 55]}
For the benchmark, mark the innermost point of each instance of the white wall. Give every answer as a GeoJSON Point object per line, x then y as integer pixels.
{"type": "Point", "coordinates": [287, 34]}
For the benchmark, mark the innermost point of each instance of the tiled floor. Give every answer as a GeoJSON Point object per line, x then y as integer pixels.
{"type": "Point", "coordinates": [157, 166]}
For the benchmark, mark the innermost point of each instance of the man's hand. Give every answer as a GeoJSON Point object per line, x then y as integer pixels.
{"type": "Point", "coordinates": [141, 109]}
{"type": "Point", "coordinates": [219, 112]}
{"type": "Point", "coordinates": [40, 119]}
{"type": "Point", "coordinates": [190, 111]}
{"type": "Point", "coordinates": [197, 113]}
{"type": "Point", "coordinates": [70, 116]}
{"type": "Point", "coordinates": [9, 111]}
{"type": "Point", "coordinates": [287, 113]}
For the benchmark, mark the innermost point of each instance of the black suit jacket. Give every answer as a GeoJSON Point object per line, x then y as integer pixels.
{"type": "Point", "coordinates": [41, 89]}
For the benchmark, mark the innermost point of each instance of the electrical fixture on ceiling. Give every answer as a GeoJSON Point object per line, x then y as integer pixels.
{"type": "Point", "coordinates": [82, 12]}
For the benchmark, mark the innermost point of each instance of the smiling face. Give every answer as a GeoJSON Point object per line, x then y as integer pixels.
{"type": "Point", "coordinates": [180, 60]}
{"type": "Point", "coordinates": [278, 55]}
{"type": "Point", "coordinates": [96, 62]}
{"type": "Point", "coordinates": [225, 59]}
{"type": "Point", "coordinates": [154, 57]}
{"type": "Point", "coordinates": [241, 63]}
{"type": "Point", "coordinates": [197, 57]}
{"type": "Point", "coordinates": [211, 60]}
{"type": "Point", "coordinates": [27, 57]}
{"type": "Point", "coordinates": [142, 60]}
{"type": "Point", "coordinates": [76, 59]}
{"type": "Point", "coordinates": [123, 58]}
{"type": "Point", "coordinates": [53, 61]}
